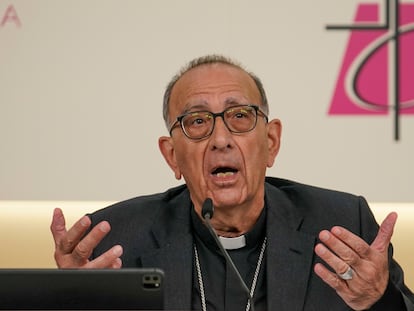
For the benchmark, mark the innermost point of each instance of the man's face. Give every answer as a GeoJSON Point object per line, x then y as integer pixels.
{"type": "Point", "coordinates": [226, 167]}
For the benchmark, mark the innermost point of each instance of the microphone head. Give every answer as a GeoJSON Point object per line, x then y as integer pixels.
{"type": "Point", "coordinates": [208, 208]}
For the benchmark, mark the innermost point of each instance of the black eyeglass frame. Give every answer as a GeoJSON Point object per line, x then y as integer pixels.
{"type": "Point", "coordinates": [215, 115]}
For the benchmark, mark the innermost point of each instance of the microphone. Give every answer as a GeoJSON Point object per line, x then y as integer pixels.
{"type": "Point", "coordinates": [207, 212]}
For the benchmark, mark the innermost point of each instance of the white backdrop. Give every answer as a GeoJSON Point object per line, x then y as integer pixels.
{"type": "Point", "coordinates": [81, 85]}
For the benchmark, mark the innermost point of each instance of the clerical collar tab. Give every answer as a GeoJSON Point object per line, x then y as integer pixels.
{"type": "Point", "coordinates": [233, 243]}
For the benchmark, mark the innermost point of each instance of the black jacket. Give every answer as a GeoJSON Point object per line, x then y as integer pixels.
{"type": "Point", "coordinates": [155, 231]}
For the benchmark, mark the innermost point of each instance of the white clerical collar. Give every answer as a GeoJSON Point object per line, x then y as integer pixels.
{"type": "Point", "coordinates": [233, 243]}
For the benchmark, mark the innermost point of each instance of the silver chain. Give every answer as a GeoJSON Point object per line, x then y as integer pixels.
{"type": "Point", "coordinates": [200, 280]}
{"type": "Point", "coordinates": [254, 282]}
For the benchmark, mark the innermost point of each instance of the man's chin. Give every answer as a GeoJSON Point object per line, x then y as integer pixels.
{"type": "Point", "coordinates": [226, 198]}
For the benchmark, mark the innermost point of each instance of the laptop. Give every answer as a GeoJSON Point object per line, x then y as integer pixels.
{"type": "Point", "coordinates": [91, 289]}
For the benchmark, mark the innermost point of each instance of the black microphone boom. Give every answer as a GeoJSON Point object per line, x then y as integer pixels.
{"type": "Point", "coordinates": [207, 212]}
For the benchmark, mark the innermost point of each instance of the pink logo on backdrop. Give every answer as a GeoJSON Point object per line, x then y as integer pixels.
{"type": "Point", "coordinates": [377, 72]}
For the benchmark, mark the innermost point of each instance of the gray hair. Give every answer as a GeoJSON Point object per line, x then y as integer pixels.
{"type": "Point", "coordinates": [205, 60]}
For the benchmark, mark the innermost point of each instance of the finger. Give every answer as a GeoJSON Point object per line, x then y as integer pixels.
{"type": "Point", "coordinates": [109, 259]}
{"type": "Point", "coordinates": [117, 264]}
{"type": "Point", "coordinates": [85, 247]}
{"type": "Point", "coordinates": [344, 244]}
{"type": "Point", "coordinates": [330, 278]}
{"type": "Point", "coordinates": [385, 232]}
{"type": "Point", "coordinates": [58, 225]}
{"type": "Point", "coordinates": [336, 263]}
{"type": "Point", "coordinates": [72, 237]}
{"type": "Point", "coordinates": [356, 243]}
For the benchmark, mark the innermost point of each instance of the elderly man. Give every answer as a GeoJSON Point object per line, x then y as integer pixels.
{"type": "Point", "coordinates": [297, 247]}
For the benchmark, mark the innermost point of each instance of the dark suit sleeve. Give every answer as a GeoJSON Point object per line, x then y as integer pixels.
{"type": "Point", "coordinates": [397, 295]}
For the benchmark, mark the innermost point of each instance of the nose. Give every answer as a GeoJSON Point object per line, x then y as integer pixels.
{"type": "Point", "coordinates": [221, 137]}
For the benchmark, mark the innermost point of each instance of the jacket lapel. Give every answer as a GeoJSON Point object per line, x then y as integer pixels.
{"type": "Point", "coordinates": [172, 233]}
{"type": "Point", "coordinates": [289, 254]}
{"type": "Point", "coordinates": [175, 260]}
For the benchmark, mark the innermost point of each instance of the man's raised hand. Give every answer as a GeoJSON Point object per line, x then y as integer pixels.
{"type": "Point", "coordinates": [73, 248]}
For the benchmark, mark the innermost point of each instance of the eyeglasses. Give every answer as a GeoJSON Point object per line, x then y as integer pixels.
{"type": "Point", "coordinates": [197, 125]}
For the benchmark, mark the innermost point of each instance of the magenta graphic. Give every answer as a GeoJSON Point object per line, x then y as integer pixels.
{"type": "Point", "coordinates": [377, 72]}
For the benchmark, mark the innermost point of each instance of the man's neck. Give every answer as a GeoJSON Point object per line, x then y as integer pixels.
{"type": "Point", "coordinates": [233, 223]}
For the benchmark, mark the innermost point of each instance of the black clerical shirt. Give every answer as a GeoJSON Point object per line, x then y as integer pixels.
{"type": "Point", "coordinates": [222, 289]}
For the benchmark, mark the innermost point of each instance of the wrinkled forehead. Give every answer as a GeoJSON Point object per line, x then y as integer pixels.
{"type": "Point", "coordinates": [209, 80]}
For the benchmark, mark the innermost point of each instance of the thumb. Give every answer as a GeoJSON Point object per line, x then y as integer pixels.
{"type": "Point", "coordinates": [385, 232]}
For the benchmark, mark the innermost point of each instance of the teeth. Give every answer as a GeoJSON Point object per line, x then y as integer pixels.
{"type": "Point", "coordinates": [225, 174]}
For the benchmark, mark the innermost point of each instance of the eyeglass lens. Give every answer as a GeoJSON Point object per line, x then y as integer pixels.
{"type": "Point", "coordinates": [200, 124]}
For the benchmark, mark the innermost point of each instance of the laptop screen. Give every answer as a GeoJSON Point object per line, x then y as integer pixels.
{"type": "Point", "coordinates": [83, 289]}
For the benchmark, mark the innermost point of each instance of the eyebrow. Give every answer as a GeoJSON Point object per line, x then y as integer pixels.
{"type": "Point", "coordinates": [232, 101]}
{"type": "Point", "coordinates": [202, 105]}
{"type": "Point", "coordinates": [190, 107]}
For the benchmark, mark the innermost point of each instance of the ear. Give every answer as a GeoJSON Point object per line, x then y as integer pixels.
{"type": "Point", "coordinates": [274, 133]}
{"type": "Point", "coordinates": [166, 145]}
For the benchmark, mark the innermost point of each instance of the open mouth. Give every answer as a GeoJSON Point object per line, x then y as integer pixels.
{"type": "Point", "coordinates": [224, 171]}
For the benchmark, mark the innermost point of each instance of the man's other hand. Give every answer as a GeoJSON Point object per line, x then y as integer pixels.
{"type": "Point", "coordinates": [73, 248]}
